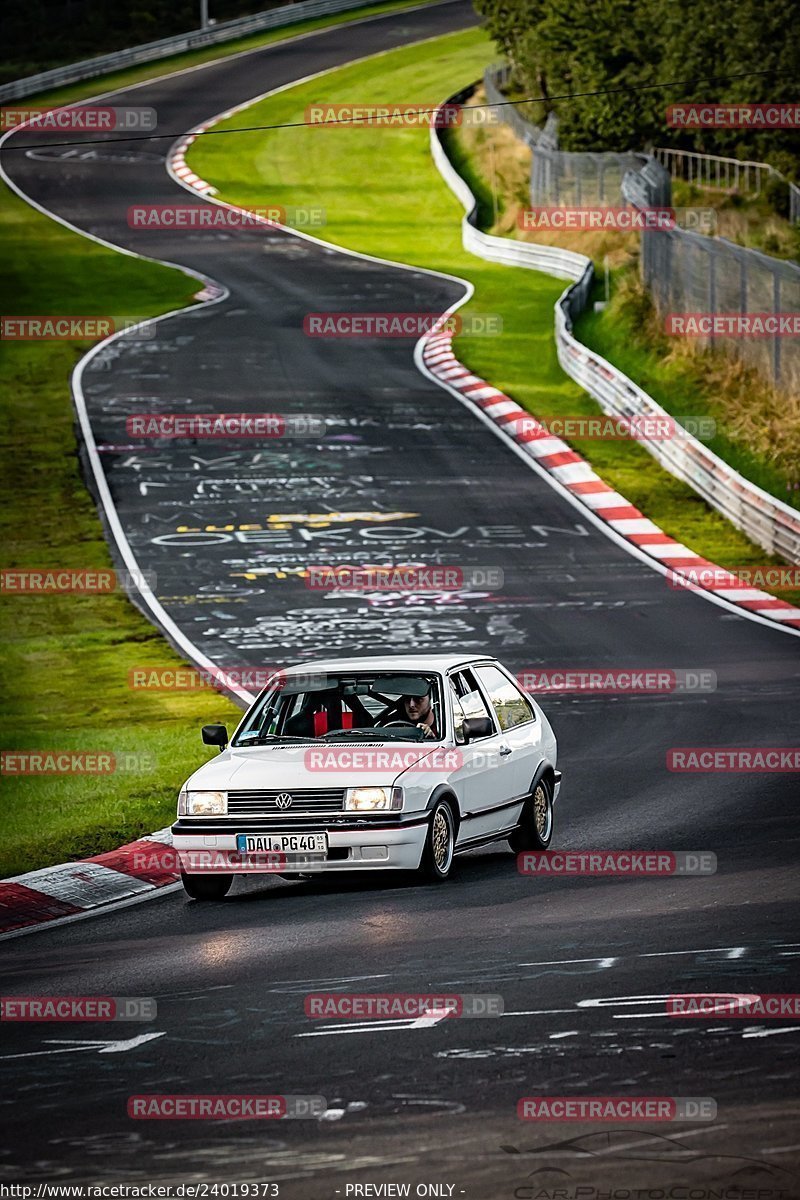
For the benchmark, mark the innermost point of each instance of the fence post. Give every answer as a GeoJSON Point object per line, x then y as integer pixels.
{"type": "Point", "coordinates": [712, 288]}
{"type": "Point", "coordinates": [776, 341]}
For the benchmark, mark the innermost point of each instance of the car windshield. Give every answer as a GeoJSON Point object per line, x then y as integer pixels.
{"type": "Point", "coordinates": [368, 706]}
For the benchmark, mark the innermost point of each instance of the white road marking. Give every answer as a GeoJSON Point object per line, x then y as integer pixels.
{"type": "Point", "coordinates": [75, 1046]}
{"type": "Point", "coordinates": [563, 962]}
{"type": "Point", "coordinates": [751, 1032]}
{"type": "Point", "coordinates": [431, 1016]}
{"type": "Point", "coordinates": [730, 951]}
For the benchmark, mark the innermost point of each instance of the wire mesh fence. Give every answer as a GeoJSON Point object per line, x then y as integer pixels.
{"type": "Point", "coordinates": [744, 176]}
{"type": "Point", "coordinates": [518, 117]}
{"type": "Point", "coordinates": [691, 278]}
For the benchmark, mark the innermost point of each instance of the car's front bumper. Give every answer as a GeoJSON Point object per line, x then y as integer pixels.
{"type": "Point", "coordinates": [209, 847]}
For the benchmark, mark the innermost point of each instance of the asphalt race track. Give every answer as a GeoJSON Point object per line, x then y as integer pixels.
{"type": "Point", "coordinates": [405, 468]}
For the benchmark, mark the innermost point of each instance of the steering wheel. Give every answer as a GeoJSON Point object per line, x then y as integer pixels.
{"type": "Point", "coordinates": [402, 724]}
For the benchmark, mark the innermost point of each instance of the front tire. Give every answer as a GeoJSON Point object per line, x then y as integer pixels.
{"type": "Point", "coordinates": [437, 856]}
{"type": "Point", "coordinates": [206, 887]}
{"type": "Point", "coordinates": [535, 831]}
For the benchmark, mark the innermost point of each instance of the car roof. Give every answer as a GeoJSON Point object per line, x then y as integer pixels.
{"type": "Point", "coordinates": [390, 662]}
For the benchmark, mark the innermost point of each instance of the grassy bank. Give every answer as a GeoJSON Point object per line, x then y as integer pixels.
{"type": "Point", "coordinates": [384, 196]}
{"type": "Point", "coordinates": [758, 426]}
{"type": "Point", "coordinates": [66, 658]}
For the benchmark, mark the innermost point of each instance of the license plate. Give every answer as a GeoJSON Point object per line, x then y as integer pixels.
{"type": "Point", "coordinates": [282, 843]}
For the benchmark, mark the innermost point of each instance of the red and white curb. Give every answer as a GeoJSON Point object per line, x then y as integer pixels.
{"type": "Point", "coordinates": [549, 452]}
{"type": "Point", "coordinates": [585, 485]}
{"type": "Point", "coordinates": [71, 890]}
{"type": "Point", "coordinates": [177, 160]}
{"type": "Point", "coordinates": [131, 873]}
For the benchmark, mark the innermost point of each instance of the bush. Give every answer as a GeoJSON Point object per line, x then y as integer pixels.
{"type": "Point", "coordinates": [777, 193]}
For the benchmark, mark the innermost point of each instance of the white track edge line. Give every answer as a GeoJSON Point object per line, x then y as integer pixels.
{"type": "Point", "coordinates": [632, 549]}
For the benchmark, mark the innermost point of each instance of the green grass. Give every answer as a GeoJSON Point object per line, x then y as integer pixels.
{"type": "Point", "coordinates": [66, 658]}
{"type": "Point", "coordinates": [384, 196]}
{"type": "Point", "coordinates": [678, 384]}
{"type": "Point", "coordinates": [746, 220]}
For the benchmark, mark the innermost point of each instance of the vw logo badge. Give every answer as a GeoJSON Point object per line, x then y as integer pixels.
{"type": "Point", "coordinates": [284, 800]}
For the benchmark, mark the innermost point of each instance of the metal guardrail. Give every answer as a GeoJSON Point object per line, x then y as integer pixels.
{"type": "Point", "coordinates": [225, 31]}
{"type": "Point", "coordinates": [650, 187]}
{"type": "Point", "coordinates": [559, 176]}
{"type": "Point", "coordinates": [769, 522]}
{"type": "Point", "coordinates": [684, 272]}
{"type": "Point", "coordinates": [716, 171]}
{"type": "Point", "coordinates": [564, 177]}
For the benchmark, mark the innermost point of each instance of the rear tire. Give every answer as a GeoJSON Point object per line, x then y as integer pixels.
{"type": "Point", "coordinates": [206, 887]}
{"type": "Point", "coordinates": [535, 831]}
{"type": "Point", "coordinates": [437, 856]}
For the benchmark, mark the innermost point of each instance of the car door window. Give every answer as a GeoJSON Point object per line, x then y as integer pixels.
{"type": "Point", "coordinates": [467, 699]}
{"type": "Point", "coordinates": [459, 716]}
{"type": "Point", "coordinates": [510, 706]}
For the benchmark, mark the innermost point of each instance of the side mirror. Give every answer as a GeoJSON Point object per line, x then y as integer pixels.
{"type": "Point", "coordinates": [215, 735]}
{"type": "Point", "coordinates": [478, 727]}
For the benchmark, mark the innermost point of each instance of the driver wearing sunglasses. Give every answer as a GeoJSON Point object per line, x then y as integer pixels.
{"type": "Point", "coordinates": [419, 711]}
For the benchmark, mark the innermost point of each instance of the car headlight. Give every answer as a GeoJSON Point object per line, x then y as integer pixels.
{"type": "Point", "coordinates": [202, 804]}
{"type": "Point", "coordinates": [373, 799]}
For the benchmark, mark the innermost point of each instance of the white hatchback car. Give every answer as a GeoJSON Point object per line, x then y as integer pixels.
{"type": "Point", "coordinates": [397, 763]}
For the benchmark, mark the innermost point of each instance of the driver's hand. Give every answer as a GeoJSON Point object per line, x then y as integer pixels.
{"type": "Point", "coordinates": [426, 729]}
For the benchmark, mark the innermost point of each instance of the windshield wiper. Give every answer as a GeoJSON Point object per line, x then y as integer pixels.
{"type": "Point", "coordinates": [271, 737]}
{"type": "Point", "coordinates": [376, 732]}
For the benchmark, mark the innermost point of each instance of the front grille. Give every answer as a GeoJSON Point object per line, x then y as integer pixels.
{"type": "Point", "coordinates": [305, 802]}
